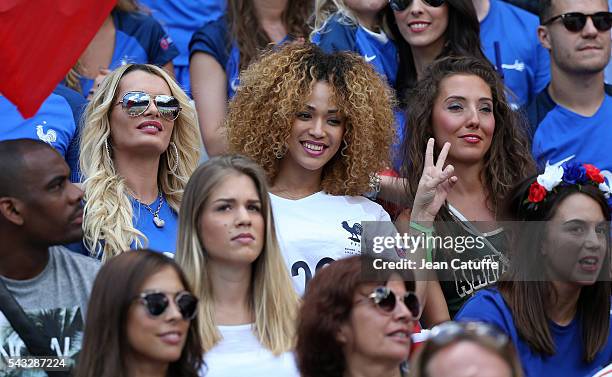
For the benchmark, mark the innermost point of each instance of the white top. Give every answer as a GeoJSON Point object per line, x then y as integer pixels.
{"type": "Point", "coordinates": [240, 354]}
{"type": "Point", "coordinates": [320, 229]}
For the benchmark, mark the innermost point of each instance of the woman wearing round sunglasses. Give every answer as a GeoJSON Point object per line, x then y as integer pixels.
{"type": "Point", "coordinates": [141, 321]}
{"type": "Point", "coordinates": [554, 301]}
{"type": "Point", "coordinates": [139, 146]}
{"type": "Point", "coordinates": [228, 250]}
{"type": "Point", "coordinates": [425, 30]}
{"type": "Point", "coordinates": [466, 349]}
{"type": "Point", "coordinates": [352, 325]}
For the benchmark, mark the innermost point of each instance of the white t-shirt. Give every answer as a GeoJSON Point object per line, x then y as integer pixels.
{"type": "Point", "coordinates": [320, 229]}
{"type": "Point", "coordinates": [240, 354]}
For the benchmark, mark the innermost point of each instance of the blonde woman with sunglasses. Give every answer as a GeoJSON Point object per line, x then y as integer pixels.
{"type": "Point", "coordinates": [139, 147]}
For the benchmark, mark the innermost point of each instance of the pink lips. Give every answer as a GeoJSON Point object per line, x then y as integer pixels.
{"type": "Point", "coordinates": [471, 138]}
{"type": "Point", "coordinates": [311, 152]}
{"type": "Point", "coordinates": [150, 127]}
{"type": "Point", "coordinates": [172, 338]}
{"type": "Point", "coordinates": [418, 29]}
{"type": "Point", "coordinates": [244, 238]}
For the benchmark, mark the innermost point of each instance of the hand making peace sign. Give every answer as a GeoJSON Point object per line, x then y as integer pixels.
{"type": "Point", "coordinates": [435, 184]}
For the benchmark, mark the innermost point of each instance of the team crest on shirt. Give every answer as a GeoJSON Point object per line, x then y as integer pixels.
{"type": "Point", "coordinates": [165, 42]}
{"type": "Point", "coordinates": [48, 136]}
{"type": "Point", "coordinates": [354, 237]}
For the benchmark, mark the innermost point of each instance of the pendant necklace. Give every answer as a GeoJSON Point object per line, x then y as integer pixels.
{"type": "Point", "coordinates": [156, 219]}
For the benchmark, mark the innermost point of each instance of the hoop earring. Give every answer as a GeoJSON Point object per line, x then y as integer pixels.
{"type": "Point", "coordinates": [107, 149]}
{"type": "Point", "coordinates": [173, 168]}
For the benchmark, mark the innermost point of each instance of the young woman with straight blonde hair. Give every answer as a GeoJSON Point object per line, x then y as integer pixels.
{"type": "Point", "coordinates": [139, 147]}
{"type": "Point", "coordinates": [228, 249]}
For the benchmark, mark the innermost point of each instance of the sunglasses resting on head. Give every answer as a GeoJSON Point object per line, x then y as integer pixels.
{"type": "Point", "coordinates": [575, 21]}
{"type": "Point", "coordinates": [136, 103]}
{"type": "Point", "coordinates": [401, 5]}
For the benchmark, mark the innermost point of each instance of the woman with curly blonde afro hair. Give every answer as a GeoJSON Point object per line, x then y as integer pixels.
{"type": "Point", "coordinates": [321, 126]}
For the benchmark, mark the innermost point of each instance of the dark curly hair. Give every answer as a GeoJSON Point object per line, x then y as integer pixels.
{"type": "Point", "coordinates": [507, 161]}
{"type": "Point", "coordinates": [327, 305]}
{"type": "Point", "coordinates": [462, 38]}
{"type": "Point", "coordinates": [274, 89]}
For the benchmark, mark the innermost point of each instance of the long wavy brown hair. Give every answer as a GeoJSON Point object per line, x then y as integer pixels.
{"type": "Point", "coordinates": [250, 35]}
{"type": "Point", "coordinates": [507, 161]}
{"type": "Point", "coordinates": [274, 89]}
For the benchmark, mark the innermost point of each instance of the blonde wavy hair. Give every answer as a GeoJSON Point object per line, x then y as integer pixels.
{"type": "Point", "coordinates": [275, 88]}
{"type": "Point", "coordinates": [107, 224]}
{"type": "Point", "coordinates": [272, 297]}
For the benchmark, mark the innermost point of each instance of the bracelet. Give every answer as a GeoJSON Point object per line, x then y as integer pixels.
{"type": "Point", "coordinates": [375, 180]}
{"type": "Point", "coordinates": [428, 232]}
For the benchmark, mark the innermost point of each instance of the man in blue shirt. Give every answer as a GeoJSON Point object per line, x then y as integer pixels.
{"type": "Point", "coordinates": [509, 40]}
{"type": "Point", "coordinates": [572, 118]}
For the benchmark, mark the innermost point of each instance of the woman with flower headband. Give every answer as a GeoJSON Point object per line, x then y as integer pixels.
{"type": "Point", "coordinates": [320, 125]}
{"type": "Point", "coordinates": [139, 147]}
{"type": "Point", "coordinates": [460, 103]}
{"type": "Point", "coordinates": [554, 301]}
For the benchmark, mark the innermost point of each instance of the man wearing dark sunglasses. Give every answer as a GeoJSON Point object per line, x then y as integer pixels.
{"type": "Point", "coordinates": [44, 289]}
{"type": "Point", "coordinates": [572, 117]}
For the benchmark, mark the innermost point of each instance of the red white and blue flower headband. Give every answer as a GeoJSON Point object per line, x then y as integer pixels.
{"type": "Point", "coordinates": [567, 174]}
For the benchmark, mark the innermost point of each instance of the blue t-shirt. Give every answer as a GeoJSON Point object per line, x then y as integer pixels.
{"type": "Point", "coordinates": [139, 38]}
{"type": "Point", "coordinates": [340, 34]}
{"type": "Point", "coordinates": [524, 62]}
{"type": "Point", "coordinates": [489, 306]}
{"type": "Point", "coordinates": [181, 18]}
{"type": "Point", "coordinates": [215, 40]}
{"type": "Point", "coordinates": [563, 135]}
{"type": "Point", "coordinates": [55, 123]}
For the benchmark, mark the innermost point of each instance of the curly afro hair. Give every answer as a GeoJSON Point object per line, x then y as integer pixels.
{"type": "Point", "coordinates": [275, 88]}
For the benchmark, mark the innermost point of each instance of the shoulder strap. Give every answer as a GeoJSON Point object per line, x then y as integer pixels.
{"type": "Point", "coordinates": [35, 341]}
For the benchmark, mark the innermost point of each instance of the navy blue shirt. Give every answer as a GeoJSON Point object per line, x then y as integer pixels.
{"type": "Point", "coordinates": [215, 40]}
{"type": "Point", "coordinates": [489, 306]}
{"type": "Point", "coordinates": [55, 123]}
{"type": "Point", "coordinates": [139, 38]}
{"type": "Point", "coordinates": [521, 57]}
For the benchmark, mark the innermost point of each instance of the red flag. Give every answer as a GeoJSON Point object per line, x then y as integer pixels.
{"type": "Point", "coordinates": [40, 41]}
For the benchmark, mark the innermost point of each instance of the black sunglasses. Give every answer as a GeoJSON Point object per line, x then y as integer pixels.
{"type": "Point", "coordinates": [385, 299]}
{"type": "Point", "coordinates": [400, 5]}
{"type": "Point", "coordinates": [575, 21]}
{"type": "Point", "coordinates": [450, 331]}
{"type": "Point", "coordinates": [136, 103]}
{"type": "Point", "coordinates": [157, 303]}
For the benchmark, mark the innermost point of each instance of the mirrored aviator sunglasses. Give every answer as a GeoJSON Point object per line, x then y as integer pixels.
{"type": "Point", "coordinates": [157, 303]}
{"type": "Point", "coordinates": [136, 103]}
{"type": "Point", "coordinates": [401, 5]}
{"type": "Point", "coordinates": [576, 21]}
{"type": "Point", "coordinates": [386, 300]}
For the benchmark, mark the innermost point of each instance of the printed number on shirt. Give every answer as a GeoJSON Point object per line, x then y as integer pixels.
{"type": "Point", "coordinates": [302, 265]}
